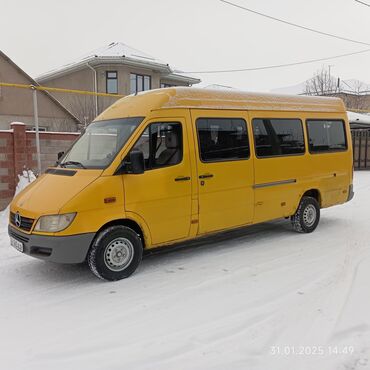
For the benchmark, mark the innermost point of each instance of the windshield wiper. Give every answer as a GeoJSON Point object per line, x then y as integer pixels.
{"type": "Point", "coordinates": [73, 163]}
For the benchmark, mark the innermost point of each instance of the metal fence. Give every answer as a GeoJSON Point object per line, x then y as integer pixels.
{"type": "Point", "coordinates": [361, 149]}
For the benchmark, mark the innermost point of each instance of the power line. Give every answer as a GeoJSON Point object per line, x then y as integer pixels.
{"type": "Point", "coordinates": [295, 24]}
{"type": "Point", "coordinates": [282, 65]}
{"type": "Point", "coordinates": [363, 3]}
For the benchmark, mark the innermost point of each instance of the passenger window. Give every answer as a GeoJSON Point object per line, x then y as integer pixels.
{"type": "Point", "coordinates": [161, 144]}
{"type": "Point", "coordinates": [278, 137]}
{"type": "Point", "coordinates": [222, 139]}
{"type": "Point", "coordinates": [326, 135]}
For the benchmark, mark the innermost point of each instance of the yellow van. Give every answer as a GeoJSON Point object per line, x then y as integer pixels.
{"type": "Point", "coordinates": [174, 164]}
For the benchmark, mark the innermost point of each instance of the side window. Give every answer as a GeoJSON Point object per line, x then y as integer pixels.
{"type": "Point", "coordinates": [278, 137]}
{"type": "Point", "coordinates": [161, 144]}
{"type": "Point", "coordinates": [111, 82]}
{"type": "Point", "coordinates": [222, 139]}
{"type": "Point", "coordinates": [139, 83]}
{"type": "Point", "coordinates": [326, 135]}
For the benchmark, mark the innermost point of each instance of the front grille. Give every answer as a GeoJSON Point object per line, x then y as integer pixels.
{"type": "Point", "coordinates": [26, 223]}
{"type": "Point", "coordinates": [20, 238]}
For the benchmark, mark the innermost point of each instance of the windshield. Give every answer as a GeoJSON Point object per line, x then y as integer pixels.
{"type": "Point", "coordinates": [100, 143]}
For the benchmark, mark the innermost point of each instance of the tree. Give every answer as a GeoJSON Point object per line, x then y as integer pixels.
{"type": "Point", "coordinates": [322, 83]}
{"type": "Point", "coordinates": [82, 106]}
{"type": "Point", "coordinates": [356, 95]}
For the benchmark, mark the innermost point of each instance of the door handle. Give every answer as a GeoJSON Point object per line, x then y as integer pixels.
{"type": "Point", "coordinates": [182, 178]}
{"type": "Point", "coordinates": [206, 176]}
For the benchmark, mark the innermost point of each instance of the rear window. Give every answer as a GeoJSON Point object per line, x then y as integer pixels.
{"type": "Point", "coordinates": [278, 137]}
{"type": "Point", "coordinates": [326, 136]}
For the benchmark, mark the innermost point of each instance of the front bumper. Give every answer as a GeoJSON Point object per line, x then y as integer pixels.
{"type": "Point", "coordinates": [61, 249]}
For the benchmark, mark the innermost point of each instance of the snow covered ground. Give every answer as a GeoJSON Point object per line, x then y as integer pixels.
{"type": "Point", "coordinates": [263, 298]}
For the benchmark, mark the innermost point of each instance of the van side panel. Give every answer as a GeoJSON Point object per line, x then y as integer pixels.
{"type": "Point", "coordinates": [226, 195]}
{"type": "Point", "coordinates": [281, 181]}
{"type": "Point", "coordinates": [159, 195]}
{"type": "Point", "coordinates": [332, 170]}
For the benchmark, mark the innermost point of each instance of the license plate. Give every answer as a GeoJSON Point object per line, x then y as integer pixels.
{"type": "Point", "coordinates": [16, 244]}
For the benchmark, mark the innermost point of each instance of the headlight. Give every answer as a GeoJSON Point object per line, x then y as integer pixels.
{"type": "Point", "coordinates": [54, 223]}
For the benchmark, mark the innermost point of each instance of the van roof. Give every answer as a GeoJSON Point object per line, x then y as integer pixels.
{"type": "Point", "coordinates": [198, 98]}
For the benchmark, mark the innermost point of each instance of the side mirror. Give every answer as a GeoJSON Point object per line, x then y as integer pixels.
{"type": "Point", "coordinates": [134, 163]}
{"type": "Point", "coordinates": [137, 162]}
{"type": "Point", "coordinates": [60, 155]}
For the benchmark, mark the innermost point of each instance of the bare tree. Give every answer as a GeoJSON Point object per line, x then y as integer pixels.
{"type": "Point", "coordinates": [322, 83]}
{"type": "Point", "coordinates": [356, 96]}
{"type": "Point", "coordinates": [83, 107]}
{"type": "Point", "coordinates": [361, 101]}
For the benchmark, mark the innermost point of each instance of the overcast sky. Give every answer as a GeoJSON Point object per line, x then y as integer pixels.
{"type": "Point", "coordinates": [192, 35]}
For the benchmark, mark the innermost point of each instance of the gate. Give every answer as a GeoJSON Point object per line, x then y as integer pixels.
{"type": "Point", "coordinates": [361, 149]}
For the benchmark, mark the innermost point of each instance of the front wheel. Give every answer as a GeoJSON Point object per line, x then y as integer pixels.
{"type": "Point", "coordinates": [307, 217]}
{"type": "Point", "coordinates": [116, 253]}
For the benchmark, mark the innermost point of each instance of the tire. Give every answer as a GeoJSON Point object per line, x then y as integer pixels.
{"type": "Point", "coordinates": [307, 217]}
{"type": "Point", "coordinates": [115, 253]}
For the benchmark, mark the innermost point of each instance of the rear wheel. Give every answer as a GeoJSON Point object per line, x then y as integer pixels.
{"type": "Point", "coordinates": [116, 253]}
{"type": "Point", "coordinates": [307, 217]}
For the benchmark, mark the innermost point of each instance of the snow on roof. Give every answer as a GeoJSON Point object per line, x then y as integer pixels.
{"type": "Point", "coordinates": [218, 87]}
{"type": "Point", "coordinates": [354, 117]}
{"type": "Point", "coordinates": [178, 73]}
{"type": "Point", "coordinates": [119, 49]}
{"type": "Point", "coordinates": [118, 52]}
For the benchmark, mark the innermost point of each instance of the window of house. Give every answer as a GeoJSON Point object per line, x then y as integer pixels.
{"type": "Point", "coordinates": [164, 85]}
{"type": "Point", "coordinates": [222, 139]}
{"type": "Point", "coordinates": [161, 144]}
{"type": "Point", "coordinates": [139, 83]}
{"type": "Point", "coordinates": [278, 137]}
{"type": "Point", "coordinates": [326, 135]}
{"type": "Point", "coordinates": [112, 82]}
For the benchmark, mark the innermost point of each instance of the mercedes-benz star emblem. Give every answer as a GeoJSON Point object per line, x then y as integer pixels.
{"type": "Point", "coordinates": [18, 219]}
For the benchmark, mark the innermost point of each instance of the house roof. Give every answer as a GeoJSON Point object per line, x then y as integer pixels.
{"type": "Point", "coordinates": [227, 99]}
{"type": "Point", "coordinates": [358, 118]}
{"type": "Point", "coordinates": [119, 49]}
{"type": "Point", "coordinates": [33, 82]}
{"type": "Point", "coordinates": [119, 53]}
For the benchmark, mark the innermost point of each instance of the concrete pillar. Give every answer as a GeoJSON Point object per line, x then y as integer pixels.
{"type": "Point", "coordinates": [20, 148]}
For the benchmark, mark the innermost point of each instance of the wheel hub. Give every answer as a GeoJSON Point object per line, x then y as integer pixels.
{"type": "Point", "coordinates": [309, 215]}
{"type": "Point", "coordinates": [118, 254]}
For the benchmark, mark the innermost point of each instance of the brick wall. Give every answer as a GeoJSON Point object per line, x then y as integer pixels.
{"type": "Point", "coordinates": [7, 175]}
{"type": "Point", "coordinates": [18, 151]}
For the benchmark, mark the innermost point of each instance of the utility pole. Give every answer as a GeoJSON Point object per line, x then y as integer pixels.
{"type": "Point", "coordinates": [36, 120]}
{"type": "Point", "coordinates": [329, 66]}
{"type": "Point", "coordinates": [329, 82]}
